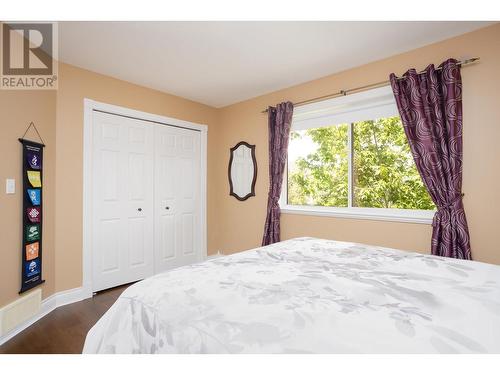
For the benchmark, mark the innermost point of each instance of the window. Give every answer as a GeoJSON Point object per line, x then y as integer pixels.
{"type": "Point", "coordinates": [349, 157]}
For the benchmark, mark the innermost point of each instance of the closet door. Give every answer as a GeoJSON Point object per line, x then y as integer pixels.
{"type": "Point", "coordinates": [177, 197]}
{"type": "Point", "coordinates": [123, 151]}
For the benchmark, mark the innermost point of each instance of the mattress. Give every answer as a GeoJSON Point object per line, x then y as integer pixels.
{"type": "Point", "coordinates": [309, 295]}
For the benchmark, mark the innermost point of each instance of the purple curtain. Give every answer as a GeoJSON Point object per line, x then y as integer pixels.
{"type": "Point", "coordinates": [430, 105]}
{"type": "Point", "coordinates": [280, 120]}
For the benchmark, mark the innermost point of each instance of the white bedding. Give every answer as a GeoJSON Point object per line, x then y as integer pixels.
{"type": "Point", "coordinates": [309, 295]}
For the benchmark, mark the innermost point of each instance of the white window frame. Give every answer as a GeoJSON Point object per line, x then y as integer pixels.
{"type": "Point", "coordinates": [366, 105]}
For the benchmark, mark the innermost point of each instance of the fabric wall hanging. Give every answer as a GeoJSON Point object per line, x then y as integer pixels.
{"type": "Point", "coordinates": [32, 169]}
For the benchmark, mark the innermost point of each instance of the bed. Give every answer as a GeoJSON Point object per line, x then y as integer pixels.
{"type": "Point", "coordinates": [309, 295]}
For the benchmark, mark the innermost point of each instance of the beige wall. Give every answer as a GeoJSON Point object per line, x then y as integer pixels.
{"type": "Point", "coordinates": [75, 84]}
{"type": "Point", "coordinates": [242, 223]}
{"type": "Point", "coordinates": [59, 117]}
{"type": "Point", "coordinates": [17, 110]}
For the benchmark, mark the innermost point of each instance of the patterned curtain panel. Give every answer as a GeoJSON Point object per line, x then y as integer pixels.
{"type": "Point", "coordinates": [430, 105]}
{"type": "Point", "coordinates": [280, 120]}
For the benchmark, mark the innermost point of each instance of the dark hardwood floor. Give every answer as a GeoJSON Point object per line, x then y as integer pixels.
{"type": "Point", "coordinates": [63, 331]}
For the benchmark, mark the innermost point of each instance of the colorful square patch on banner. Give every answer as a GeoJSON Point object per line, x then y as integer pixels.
{"type": "Point", "coordinates": [34, 195]}
{"type": "Point", "coordinates": [34, 214]}
{"type": "Point", "coordinates": [32, 267]}
{"type": "Point", "coordinates": [34, 160]}
{"type": "Point", "coordinates": [32, 233]}
{"type": "Point", "coordinates": [34, 178]}
{"type": "Point", "coordinates": [32, 250]}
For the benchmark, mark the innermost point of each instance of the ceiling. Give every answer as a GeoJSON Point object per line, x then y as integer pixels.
{"type": "Point", "coordinates": [221, 63]}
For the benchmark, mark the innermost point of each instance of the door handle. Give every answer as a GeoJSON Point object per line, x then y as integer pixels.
{"type": "Point", "coordinates": [139, 209]}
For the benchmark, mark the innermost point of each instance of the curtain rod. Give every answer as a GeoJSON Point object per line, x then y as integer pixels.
{"type": "Point", "coordinates": [366, 87]}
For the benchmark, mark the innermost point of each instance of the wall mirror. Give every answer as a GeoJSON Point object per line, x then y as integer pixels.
{"type": "Point", "coordinates": [242, 171]}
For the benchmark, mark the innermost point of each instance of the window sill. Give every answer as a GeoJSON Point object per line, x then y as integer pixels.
{"type": "Point", "coordinates": [383, 214]}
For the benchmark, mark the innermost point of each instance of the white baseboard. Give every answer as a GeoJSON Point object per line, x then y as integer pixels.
{"type": "Point", "coordinates": [48, 305]}
{"type": "Point", "coordinates": [218, 254]}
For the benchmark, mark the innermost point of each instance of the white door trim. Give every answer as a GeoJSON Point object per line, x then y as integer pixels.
{"type": "Point", "coordinates": [92, 105]}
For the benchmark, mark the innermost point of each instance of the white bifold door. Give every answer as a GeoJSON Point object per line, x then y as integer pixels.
{"type": "Point", "coordinates": [177, 197]}
{"type": "Point", "coordinates": [146, 199]}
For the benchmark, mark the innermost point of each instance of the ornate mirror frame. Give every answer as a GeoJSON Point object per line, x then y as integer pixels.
{"type": "Point", "coordinates": [254, 160]}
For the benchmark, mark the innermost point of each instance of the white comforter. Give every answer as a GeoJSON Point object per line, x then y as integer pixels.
{"type": "Point", "coordinates": [309, 296]}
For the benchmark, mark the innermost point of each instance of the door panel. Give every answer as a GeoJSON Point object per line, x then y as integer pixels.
{"type": "Point", "coordinates": [167, 233]}
{"type": "Point", "coordinates": [137, 230]}
{"type": "Point", "coordinates": [109, 159]}
{"type": "Point", "coordinates": [122, 200]}
{"type": "Point", "coordinates": [187, 178]}
{"type": "Point", "coordinates": [167, 168]}
{"type": "Point", "coordinates": [177, 178]}
{"type": "Point", "coordinates": [111, 247]}
{"type": "Point", "coordinates": [137, 175]}
{"type": "Point", "coordinates": [187, 234]}
{"type": "Point", "coordinates": [166, 171]}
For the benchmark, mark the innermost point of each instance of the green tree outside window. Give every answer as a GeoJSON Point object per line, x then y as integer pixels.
{"type": "Point", "coordinates": [383, 172]}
